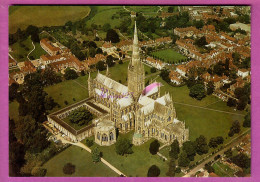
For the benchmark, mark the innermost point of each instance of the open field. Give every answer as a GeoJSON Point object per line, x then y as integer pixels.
{"type": "Point", "coordinates": [169, 55]}
{"type": "Point", "coordinates": [83, 162]}
{"type": "Point", "coordinates": [30, 15]}
{"type": "Point", "coordinates": [104, 15]}
{"type": "Point", "coordinates": [136, 164]}
{"type": "Point", "coordinates": [20, 50]}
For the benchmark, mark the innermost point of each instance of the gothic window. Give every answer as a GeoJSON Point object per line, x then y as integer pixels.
{"type": "Point", "coordinates": [111, 136]}
{"type": "Point", "coordinates": [143, 132]}
{"type": "Point", "coordinates": [98, 136]}
{"type": "Point", "coordinates": [121, 125]}
{"type": "Point", "coordinates": [165, 137]}
{"type": "Point", "coordinates": [104, 137]}
{"type": "Point", "coordinates": [126, 126]}
{"type": "Point", "coordinates": [169, 119]}
{"type": "Point", "coordinates": [130, 124]}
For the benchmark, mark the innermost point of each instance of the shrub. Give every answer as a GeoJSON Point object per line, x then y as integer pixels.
{"type": "Point", "coordinates": [69, 168]}
{"type": "Point", "coordinates": [89, 142]}
{"type": "Point", "coordinates": [39, 171]}
{"type": "Point", "coordinates": [154, 147]}
{"type": "Point", "coordinates": [153, 171]}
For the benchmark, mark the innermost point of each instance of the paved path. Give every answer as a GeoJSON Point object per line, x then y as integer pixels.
{"type": "Point", "coordinates": [162, 156]}
{"type": "Point", "coordinates": [160, 9]}
{"type": "Point", "coordinates": [209, 109]}
{"type": "Point", "coordinates": [31, 51]}
{"type": "Point", "coordinates": [80, 84]}
{"type": "Point", "coordinates": [231, 144]}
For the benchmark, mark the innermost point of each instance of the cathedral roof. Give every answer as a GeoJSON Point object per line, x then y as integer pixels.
{"type": "Point", "coordinates": [144, 100]}
{"type": "Point", "coordinates": [126, 101]}
{"type": "Point", "coordinates": [112, 84]}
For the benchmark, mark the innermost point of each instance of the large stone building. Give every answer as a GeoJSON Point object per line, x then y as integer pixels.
{"type": "Point", "coordinates": [134, 107]}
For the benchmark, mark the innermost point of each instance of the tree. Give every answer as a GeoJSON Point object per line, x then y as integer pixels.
{"type": "Point", "coordinates": [183, 161]}
{"type": "Point", "coordinates": [228, 153]}
{"type": "Point", "coordinates": [210, 88]}
{"type": "Point", "coordinates": [172, 168]}
{"type": "Point", "coordinates": [201, 145]}
{"type": "Point", "coordinates": [154, 147]}
{"type": "Point", "coordinates": [213, 143]}
{"type": "Point", "coordinates": [112, 36]}
{"type": "Point", "coordinates": [197, 91]}
{"type": "Point", "coordinates": [153, 171]}
{"type": "Point", "coordinates": [201, 41]}
{"type": "Point", "coordinates": [153, 70]}
{"type": "Point", "coordinates": [247, 120]}
{"type": "Point", "coordinates": [33, 31]}
{"type": "Point", "coordinates": [170, 9]}
{"type": "Point", "coordinates": [89, 142]}
{"type": "Point", "coordinates": [101, 66]}
{"type": "Point", "coordinates": [241, 160]}
{"type": "Point", "coordinates": [239, 92]}
{"type": "Point", "coordinates": [106, 27]}
{"type": "Point", "coordinates": [70, 74]}
{"type": "Point", "coordinates": [242, 102]}
{"type": "Point", "coordinates": [95, 155]}
{"type": "Point", "coordinates": [209, 168]}
{"type": "Point", "coordinates": [231, 102]}
{"type": "Point", "coordinates": [190, 148]}
{"type": "Point", "coordinates": [69, 168]}
{"type": "Point", "coordinates": [219, 140]}
{"type": "Point", "coordinates": [110, 61]}
{"type": "Point", "coordinates": [92, 52]}
{"type": "Point", "coordinates": [165, 75]}
{"type": "Point", "coordinates": [175, 149]}
{"type": "Point", "coordinates": [123, 146]}
{"type": "Point", "coordinates": [13, 91]}
{"type": "Point", "coordinates": [49, 77]}
{"type": "Point", "coordinates": [80, 116]}
{"type": "Point", "coordinates": [199, 24]}
{"type": "Point", "coordinates": [235, 126]}
{"type": "Point", "coordinates": [16, 158]}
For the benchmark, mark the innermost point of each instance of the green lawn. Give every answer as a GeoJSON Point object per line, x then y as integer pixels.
{"type": "Point", "coordinates": [169, 55]}
{"type": "Point", "coordinates": [38, 51]}
{"type": "Point", "coordinates": [66, 91]}
{"type": "Point", "coordinates": [19, 51]}
{"type": "Point", "coordinates": [83, 162]}
{"type": "Point", "coordinates": [223, 170]}
{"type": "Point", "coordinates": [136, 164]}
{"type": "Point", "coordinates": [21, 17]}
{"type": "Point", "coordinates": [104, 15]}
{"type": "Point", "coordinates": [74, 125]}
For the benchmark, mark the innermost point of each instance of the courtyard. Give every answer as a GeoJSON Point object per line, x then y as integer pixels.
{"type": "Point", "coordinates": [169, 55]}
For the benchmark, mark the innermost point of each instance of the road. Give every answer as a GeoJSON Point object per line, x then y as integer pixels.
{"type": "Point", "coordinates": [235, 141]}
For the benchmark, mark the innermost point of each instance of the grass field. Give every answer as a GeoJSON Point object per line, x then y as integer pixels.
{"type": "Point", "coordinates": [20, 52]}
{"type": "Point", "coordinates": [168, 55]}
{"type": "Point", "coordinates": [83, 162]}
{"type": "Point", "coordinates": [104, 15]}
{"type": "Point", "coordinates": [136, 164]}
{"type": "Point", "coordinates": [22, 16]}
{"type": "Point", "coordinates": [38, 51]}
{"type": "Point", "coordinates": [13, 110]}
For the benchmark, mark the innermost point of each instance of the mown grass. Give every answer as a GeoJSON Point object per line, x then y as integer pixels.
{"type": "Point", "coordinates": [83, 162]}
{"type": "Point", "coordinates": [23, 16]}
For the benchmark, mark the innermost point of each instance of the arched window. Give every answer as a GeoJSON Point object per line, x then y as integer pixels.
{"type": "Point", "coordinates": [165, 137]}
{"type": "Point", "coordinates": [121, 125]}
{"type": "Point", "coordinates": [98, 136]}
{"type": "Point", "coordinates": [169, 119]}
{"type": "Point", "coordinates": [104, 137]}
{"type": "Point", "coordinates": [111, 136]}
{"type": "Point", "coordinates": [126, 126]}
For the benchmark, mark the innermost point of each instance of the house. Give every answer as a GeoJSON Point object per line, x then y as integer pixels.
{"type": "Point", "coordinates": [108, 47]}
{"type": "Point", "coordinates": [155, 63]}
{"type": "Point", "coordinates": [175, 77]}
{"type": "Point", "coordinates": [28, 68]}
{"type": "Point", "coordinates": [12, 64]}
{"type": "Point", "coordinates": [243, 73]}
{"type": "Point", "coordinates": [49, 47]}
{"type": "Point", "coordinates": [133, 14]}
{"type": "Point", "coordinates": [217, 81]}
{"type": "Point", "coordinates": [125, 45]}
{"type": "Point", "coordinates": [163, 40]}
{"type": "Point", "coordinates": [186, 32]}
{"type": "Point", "coordinates": [92, 61]}
{"type": "Point", "coordinates": [182, 70]}
{"type": "Point", "coordinates": [16, 77]}
{"type": "Point", "coordinates": [241, 26]}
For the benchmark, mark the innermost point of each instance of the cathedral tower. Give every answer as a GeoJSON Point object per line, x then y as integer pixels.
{"type": "Point", "coordinates": [136, 76]}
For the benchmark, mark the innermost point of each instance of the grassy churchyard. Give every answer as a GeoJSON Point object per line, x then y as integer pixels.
{"type": "Point", "coordinates": [30, 15]}
{"type": "Point", "coordinates": [169, 55]}
{"type": "Point", "coordinates": [83, 162]}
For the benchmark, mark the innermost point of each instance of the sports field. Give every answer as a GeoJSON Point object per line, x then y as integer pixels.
{"type": "Point", "coordinates": [22, 16]}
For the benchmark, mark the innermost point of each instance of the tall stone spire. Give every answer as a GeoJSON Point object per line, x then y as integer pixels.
{"type": "Point", "coordinates": [135, 53]}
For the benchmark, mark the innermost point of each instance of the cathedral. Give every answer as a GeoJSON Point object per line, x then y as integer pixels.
{"type": "Point", "coordinates": [136, 107]}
